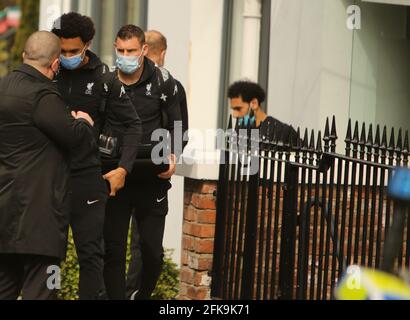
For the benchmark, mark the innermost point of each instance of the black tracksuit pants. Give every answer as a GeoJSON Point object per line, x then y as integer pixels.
{"type": "Point", "coordinates": [135, 265]}
{"type": "Point", "coordinates": [150, 207]}
{"type": "Point", "coordinates": [89, 198]}
{"type": "Point", "coordinates": [28, 275]}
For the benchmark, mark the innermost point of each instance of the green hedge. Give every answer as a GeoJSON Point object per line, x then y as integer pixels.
{"type": "Point", "coordinates": [167, 287]}
{"type": "Point", "coordinates": [70, 273]}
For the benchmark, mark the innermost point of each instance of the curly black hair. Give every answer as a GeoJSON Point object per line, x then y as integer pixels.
{"type": "Point", "coordinates": [73, 25]}
{"type": "Point", "coordinates": [247, 90]}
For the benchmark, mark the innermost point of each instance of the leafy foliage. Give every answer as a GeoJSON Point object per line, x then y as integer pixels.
{"type": "Point", "coordinates": [167, 287]}
{"type": "Point", "coordinates": [70, 273]}
{"type": "Point", "coordinates": [168, 284]}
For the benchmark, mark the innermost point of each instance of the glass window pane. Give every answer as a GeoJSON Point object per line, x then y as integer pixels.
{"type": "Point", "coordinates": [380, 88]}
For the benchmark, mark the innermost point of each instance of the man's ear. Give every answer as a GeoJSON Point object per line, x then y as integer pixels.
{"type": "Point", "coordinates": [162, 56]}
{"type": "Point", "coordinates": [145, 50]}
{"type": "Point", "coordinates": [24, 55]}
{"type": "Point", "coordinates": [55, 64]}
{"type": "Point", "coordinates": [89, 44]}
{"type": "Point", "coordinates": [254, 104]}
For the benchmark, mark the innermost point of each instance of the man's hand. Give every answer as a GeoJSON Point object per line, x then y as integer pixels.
{"type": "Point", "coordinates": [83, 115]}
{"type": "Point", "coordinates": [116, 178]}
{"type": "Point", "coordinates": [172, 168]}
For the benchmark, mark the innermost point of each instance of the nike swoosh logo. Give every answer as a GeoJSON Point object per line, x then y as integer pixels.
{"type": "Point", "coordinates": [92, 202]}
{"type": "Point", "coordinates": [160, 200]}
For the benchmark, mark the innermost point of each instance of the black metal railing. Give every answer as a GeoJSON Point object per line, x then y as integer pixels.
{"type": "Point", "coordinates": [291, 230]}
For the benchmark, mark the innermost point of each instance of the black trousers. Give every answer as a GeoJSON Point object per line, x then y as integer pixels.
{"type": "Point", "coordinates": [28, 276]}
{"type": "Point", "coordinates": [135, 264]}
{"type": "Point", "coordinates": [150, 207]}
{"type": "Point", "coordinates": [89, 198]}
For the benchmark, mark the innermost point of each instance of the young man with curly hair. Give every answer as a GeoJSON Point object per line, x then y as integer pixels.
{"type": "Point", "coordinates": [87, 85]}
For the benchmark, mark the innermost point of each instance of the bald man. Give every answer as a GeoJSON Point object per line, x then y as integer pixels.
{"type": "Point", "coordinates": [157, 49]}
{"type": "Point", "coordinates": [36, 134]}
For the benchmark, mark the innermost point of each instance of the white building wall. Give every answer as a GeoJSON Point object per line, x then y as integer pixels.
{"type": "Point", "coordinates": [310, 62]}
{"type": "Point", "coordinates": [50, 10]}
{"type": "Point", "coordinates": [194, 33]}
{"type": "Point", "coordinates": [337, 67]}
{"type": "Point", "coordinates": [176, 29]}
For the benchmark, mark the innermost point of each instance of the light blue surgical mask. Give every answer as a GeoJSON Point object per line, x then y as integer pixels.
{"type": "Point", "coordinates": [128, 64]}
{"type": "Point", "coordinates": [72, 63]}
{"type": "Point", "coordinates": [249, 119]}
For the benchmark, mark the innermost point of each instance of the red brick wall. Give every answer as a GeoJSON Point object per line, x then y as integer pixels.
{"type": "Point", "coordinates": [199, 231]}
{"type": "Point", "coordinates": [197, 239]}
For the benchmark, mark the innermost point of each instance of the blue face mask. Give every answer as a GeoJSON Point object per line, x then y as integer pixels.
{"type": "Point", "coordinates": [72, 62]}
{"type": "Point", "coordinates": [128, 64]}
{"type": "Point", "coordinates": [247, 120]}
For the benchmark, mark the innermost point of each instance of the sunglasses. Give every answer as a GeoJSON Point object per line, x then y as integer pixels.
{"type": "Point", "coordinates": [236, 109]}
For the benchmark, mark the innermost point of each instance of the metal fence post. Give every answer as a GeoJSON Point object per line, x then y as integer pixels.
{"type": "Point", "coordinates": [219, 232]}
{"type": "Point", "coordinates": [249, 254]}
{"type": "Point", "coordinates": [288, 234]}
{"type": "Point", "coordinates": [220, 226]}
